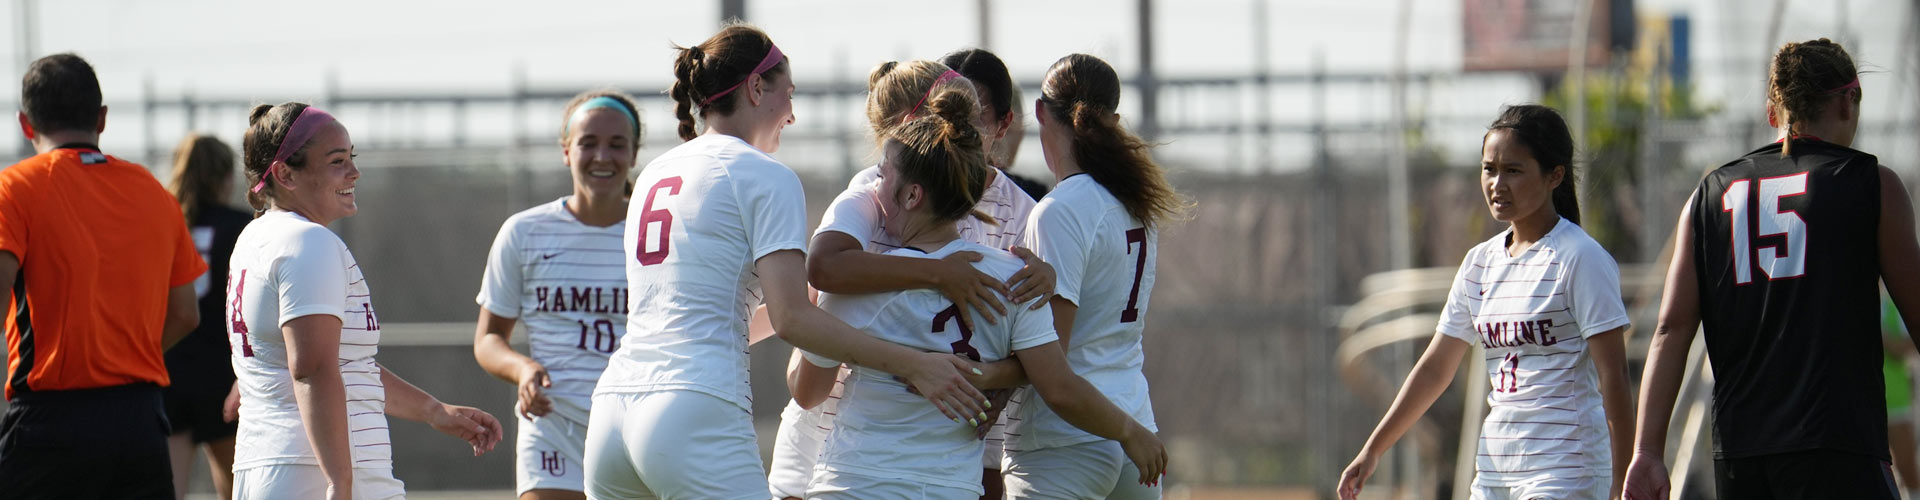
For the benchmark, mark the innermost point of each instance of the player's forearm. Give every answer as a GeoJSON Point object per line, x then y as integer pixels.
{"type": "Point", "coordinates": [852, 271]}
{"type": "Point", "coordinates": [322, 398]}
{"type": "Point", "coordinates": [1002, 374]}
{"type": "Point", "coordinates": [498, 358]}
{"type": "Point", "coordinates": [1421, 389]}
{"type": "Point", "coordinates": [1618, 403]}
{"type": "Point", "coordinates": [1082, 405]}
{"type": "Point", "coordinates": [406, 401]}
{"type": "Point", "coordinates": [1659, 387]}
{"type": "Point", "coordinates": [813, 330]}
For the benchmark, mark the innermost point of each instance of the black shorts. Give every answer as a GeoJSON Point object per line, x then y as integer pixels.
{"type": "Point", "coordinates": [1811, 474]}
{"type": "Point", "coordinates": [196, 410]}
{"type": "Point", "coordinates": [84, 444]}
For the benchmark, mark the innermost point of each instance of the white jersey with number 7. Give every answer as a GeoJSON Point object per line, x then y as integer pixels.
{"type": "Point", "coordinates": [701, 215]}
{"type": "Point", "coordinates": [1104, 260]}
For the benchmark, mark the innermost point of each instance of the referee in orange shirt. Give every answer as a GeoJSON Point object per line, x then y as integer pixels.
{"type": "Point", "coordinates": [101, 271]}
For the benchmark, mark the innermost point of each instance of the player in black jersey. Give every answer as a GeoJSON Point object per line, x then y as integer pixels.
{"type": "Point", "coordinates": [1778, 254]}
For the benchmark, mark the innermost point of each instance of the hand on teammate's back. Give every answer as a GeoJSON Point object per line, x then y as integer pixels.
{"type": "Point", "coordinates": [1144, 448]}
{"type": "Point", "coordinates": [939, 378]}
{"type": "Point", "coordinates": [470, 424]}
{"type": "Point", "coordinates": [533, 398]}
{"type": "Point", "coordinates": [1031, 282]}
{"type": "Point", "coordinates": [972, 290]}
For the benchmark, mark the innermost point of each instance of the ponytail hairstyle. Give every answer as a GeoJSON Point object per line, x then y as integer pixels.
{"type": "Point", "coordinates": [941, 150]}
{"type": "Point", "coordinates": [267, 127]}
{"type": "Point", "coordinates": [894, 88]}
{"type": "Point", "coordinates": [1803, 75]}
{"type": "Point", "coordinates": [202, 167]}
{"type": "Point", "coordinates": [625, 101]}
{"type": "Point", "coordinates": [716, 70]}
{"type": "Point", "coordinates": [1541, 130]}
{"type": "Point", "coordinates": [1083, 92]}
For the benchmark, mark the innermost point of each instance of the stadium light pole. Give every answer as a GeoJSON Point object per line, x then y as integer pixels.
{"type": "Point", "coordinates": [1149, 86]}
{"type": "Point", "coordinates": [731, 10]}
{"type": "Point", "coordinates": [24, 16]}
{"type": "Point", "coordinates": [985, 11]}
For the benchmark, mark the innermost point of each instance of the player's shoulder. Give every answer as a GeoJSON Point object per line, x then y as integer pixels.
{"type": "Point", "coordinates": [1572, 242]}
{"type": "Point", "coordinates": [552, 212]}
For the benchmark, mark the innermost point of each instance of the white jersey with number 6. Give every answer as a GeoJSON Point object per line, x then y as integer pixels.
{"type": "Point", "coordinates": [882, 430]}
{"type": "Point", "coordinates": [285, 267]}
{"type": "Point", "coordinates": [1104, 261]}
{"type": "Point", "coordinates": [556, 275]}
{"type": "Point", "coordinates": [1531, 314]}
{"type": "Point", "coordinates": [701, 215]}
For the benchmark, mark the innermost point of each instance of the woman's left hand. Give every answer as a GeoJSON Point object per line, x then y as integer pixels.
{"type": "Point", "coordinates": [1031, 282]}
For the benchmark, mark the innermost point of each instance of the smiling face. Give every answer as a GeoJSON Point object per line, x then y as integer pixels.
{"type": "Point", "coordinates": [323, 189]}
{"type": "Point", "coordinates": [600, 152]}
{"type": "Point", "coordinates": [1513, 182]}
{"type": "Point", "coordinates": [776, 105]}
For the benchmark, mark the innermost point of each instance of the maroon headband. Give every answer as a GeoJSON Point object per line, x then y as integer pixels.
{"type": "Point", "coordinates": [303, 129]}
{"type": "Point", "coordinates": [773, 59]}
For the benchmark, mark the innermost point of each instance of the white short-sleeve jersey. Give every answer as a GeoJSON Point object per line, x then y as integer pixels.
{"type": "Point", "coordinates": [701, 215]}
{"type": "Point", "coordinates": [1103, 260]}
{"type": "Point", "coordinates": [856, 212]}
{"type": "Point", "coordinates": [1532, 314]}
{"type": "Point", "coordinates": [285, 267]}
{"type": "Point", "coordinates": [560, 278]}
{"type": "Point", "coordinates": [883, 430]}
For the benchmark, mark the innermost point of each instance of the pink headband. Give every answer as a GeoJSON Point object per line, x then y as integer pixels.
{"type": "Point", "coordinates": [302, 130]}
{"type": "Point", "coordinates": [944, 78]}
{"type": "Point", "coordinates": [773, 59]}
{"type": "Point", "coordinates": [1843, 88]}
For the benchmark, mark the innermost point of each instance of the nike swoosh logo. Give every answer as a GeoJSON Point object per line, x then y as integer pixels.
{"type": "Point", "coordinates": [546, 256]}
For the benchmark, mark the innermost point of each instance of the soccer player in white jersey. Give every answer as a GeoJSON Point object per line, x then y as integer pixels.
{"type": "Point", "coordinates": [715, 227]}
{"type": "Point", "coordinates": [552, 267]}
{"type": "Point", "coordinates": [314, 403]}
{"type": "Point", "coordinates": [889, 444]}
{"type": "Point", "coordinates": [1542, 300]}
{"type": "Point", "coordinates": [1098, 228]}
{"type": "Point", "coordinates": [847, 255]}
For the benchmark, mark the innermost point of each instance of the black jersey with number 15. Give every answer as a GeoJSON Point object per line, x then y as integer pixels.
{"type": "Point", "coordinates": [1786, 251]}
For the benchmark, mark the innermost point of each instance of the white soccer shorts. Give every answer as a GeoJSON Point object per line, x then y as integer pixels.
{"type": "Point", "coordinates": [672, 445]}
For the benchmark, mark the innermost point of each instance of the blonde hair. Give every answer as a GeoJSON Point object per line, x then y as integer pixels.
{"type": "Point", "coordinates": [942, 151]}
{"type": "Point", "coordinates": [202, 168]}
{"type": "Point", "coordinates": [893, 88]}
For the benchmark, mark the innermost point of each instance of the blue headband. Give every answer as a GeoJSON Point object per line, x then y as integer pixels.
{"type": "Point", "coordinates": [596, 103]}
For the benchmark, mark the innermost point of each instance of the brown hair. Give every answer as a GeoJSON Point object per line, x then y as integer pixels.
{"type": "Point", "coordinates": [894, 87]}
{"type": "Point", "coordinates": [202, 167]}
{"type": "Point", "coordinates": [1008, 147]}
{"type": "Point", "coordinates": [267, 127]}
{"type": "Point", "coordinates": [566, 119]}
{"type": "Point", "coordinates": [1082, 92]}
{"type": "Point", "coordinates": [941, 150]}
{"type": "Point", "coordinates": [1803, 75]}
{"type": "Point", "coordinates": [711, 67]}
